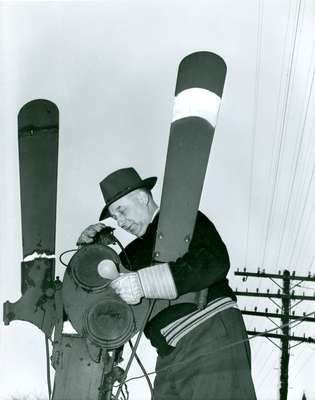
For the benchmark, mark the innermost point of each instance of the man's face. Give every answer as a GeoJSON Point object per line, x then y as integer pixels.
{"type": "Point", "coordinates": [131, 212]}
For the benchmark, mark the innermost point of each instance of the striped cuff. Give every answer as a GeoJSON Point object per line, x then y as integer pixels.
{"type": "Point", "coordinates": [157, 282]}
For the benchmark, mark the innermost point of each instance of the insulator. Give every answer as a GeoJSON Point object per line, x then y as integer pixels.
{"type": "Point", "coordinates": [255, 308]}
{"type": "Point", "coordinates": [279, 272]}
{"type": "Point", "coordinates": [264, 271]}
{"type": "Point", "coordinates": [278, 292]}
{"type": "Point", "coordinates": [277, 310]}
{"type": "Point", "coordinates": [257, 290]}
{"type": "Point", "coordinates": [293, 312]}
{"type": "Point", "coordinates": [244, 269]}
{"type": "Point", "coordinates": [266, 310]}
{"type": "Point", "coordinates": [268, 290]}
{"type": "Point", "coordinates": [258, 270]}
{"type": "Point", "coordinates": [309, 275]}
{"type": "Point", "coordinates": [237, 270]}
{"type": "Point", "coordinates": [293, 273]}
{"type": "Point", "coordinates": [304, 314]}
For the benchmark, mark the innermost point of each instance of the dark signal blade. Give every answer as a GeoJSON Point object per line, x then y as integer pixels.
{"type": "Point", "coordinates": [38, 123]}
{"type": "Point", "coordinates": [198, 94]}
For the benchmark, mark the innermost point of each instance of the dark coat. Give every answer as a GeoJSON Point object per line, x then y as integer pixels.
{"type": "Point", "coordinates": [205, 265]}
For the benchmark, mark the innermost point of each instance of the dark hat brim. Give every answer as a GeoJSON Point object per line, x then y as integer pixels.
{"type": "Point", "coordinates": [147, 183]}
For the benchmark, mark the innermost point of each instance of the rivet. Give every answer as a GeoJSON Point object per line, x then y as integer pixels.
{"type": "Point", "coordinates": [187, 239]}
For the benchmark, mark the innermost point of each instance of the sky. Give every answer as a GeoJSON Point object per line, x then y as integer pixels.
{"type": "Point", "coordinates": [110, 67]}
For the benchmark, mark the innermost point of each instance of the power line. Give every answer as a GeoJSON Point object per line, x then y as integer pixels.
{"type": "Point", "coordinates": [255, 112]}
{"type": "Point", "coordinates": [268, 359]}
{"type": "Point", "coordinates": [303, 365]}
{"type": "Point", "coordinates": [303, 212]}
{"type": "Point", "coordinates": [277, 114]}
{"type": "Point", "coordinates": [297, 159]}
{"type": "Point", "coordinates": [306, 160]}
{"type": "Point", "coordinates": [282, 129]}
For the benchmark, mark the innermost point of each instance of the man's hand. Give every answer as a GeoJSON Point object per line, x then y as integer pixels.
{"type": "Point", "coordinates": [128, 287]}
{"type": "Point", "coordinates": [88, 235]}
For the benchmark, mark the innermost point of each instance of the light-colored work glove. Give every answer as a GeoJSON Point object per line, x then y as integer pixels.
{"type": "Point", "coordinates": [88, 235]}
{"type": "Point", "coordinates": [128, 287]}
{"type": "Point", "coordinates": [154, 282]}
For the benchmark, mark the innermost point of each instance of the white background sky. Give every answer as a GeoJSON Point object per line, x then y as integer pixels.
{"type": "Point", "coordinates": [111, 69]}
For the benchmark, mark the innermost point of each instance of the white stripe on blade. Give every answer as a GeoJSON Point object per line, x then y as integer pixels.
{"type": "Point", "coordinates": [197, 102]}
{"type": "Point", "coordinates": [36, 255]}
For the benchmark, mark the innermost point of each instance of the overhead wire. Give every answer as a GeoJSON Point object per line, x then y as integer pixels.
{"type": "Point", "coordinates": [266, 358]}
{"type": "Point", "coordinates": [302, 191]}
{"type": "Point", "coordinates": [300, 354]}
{"type": "Point", "coordinates": [273, 152]}
{"type": "Point", "coordinates": [269, 372]}
{"type": "Point", "coordinates": [282, 130]}
{"type": "Point", "coordinates": [310, 217]}
{"type": "Point", "coordinates": [304, 242]}
{"type": "Point", "coordinates": [305, 161]}
{"type": "Point", "coordinates": [260, 18]}
{"type": "Point", "coordinates": [303, 350]}
{"type": "Point", "coordinates": [271, 389]}
{"type": "Point", "coordinates": [295, 169]}
{"type": "Point", "coordinates": [282, 74]}
{"type": "Point", "coordinates": [262, 368]}
{"type": "Point", "coordinates": [303, 212]}
{"type": "Point", "coordinates": [303, 365]}
{"type": "Point", "coordinates": [254, 122]}
{"type": "Point", "coordinates": [257, 354]}
{"type": "Point", "coordinates": [258, 59]}
{"type": "Point", "coordinates": [312, 261]}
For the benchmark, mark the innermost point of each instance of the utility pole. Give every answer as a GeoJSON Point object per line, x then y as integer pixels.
{"type": "Point", "coordinates": [285, 320]}
{"type": "Point", "coordinates": [286, 294]}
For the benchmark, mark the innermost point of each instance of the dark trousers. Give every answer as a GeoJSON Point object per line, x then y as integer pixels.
{"type": "Point", "coordinates": [212, 362]}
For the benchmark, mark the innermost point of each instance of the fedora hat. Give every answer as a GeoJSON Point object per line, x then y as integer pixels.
{"type": "Point", "coordinates": [121, 182]}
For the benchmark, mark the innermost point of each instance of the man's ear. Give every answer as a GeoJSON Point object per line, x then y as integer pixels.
{"type": "Point", "coordinates": [143, 197]}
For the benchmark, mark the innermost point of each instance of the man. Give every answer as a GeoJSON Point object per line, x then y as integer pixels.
{"type": "Point", "coordinates": [203, 352]}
